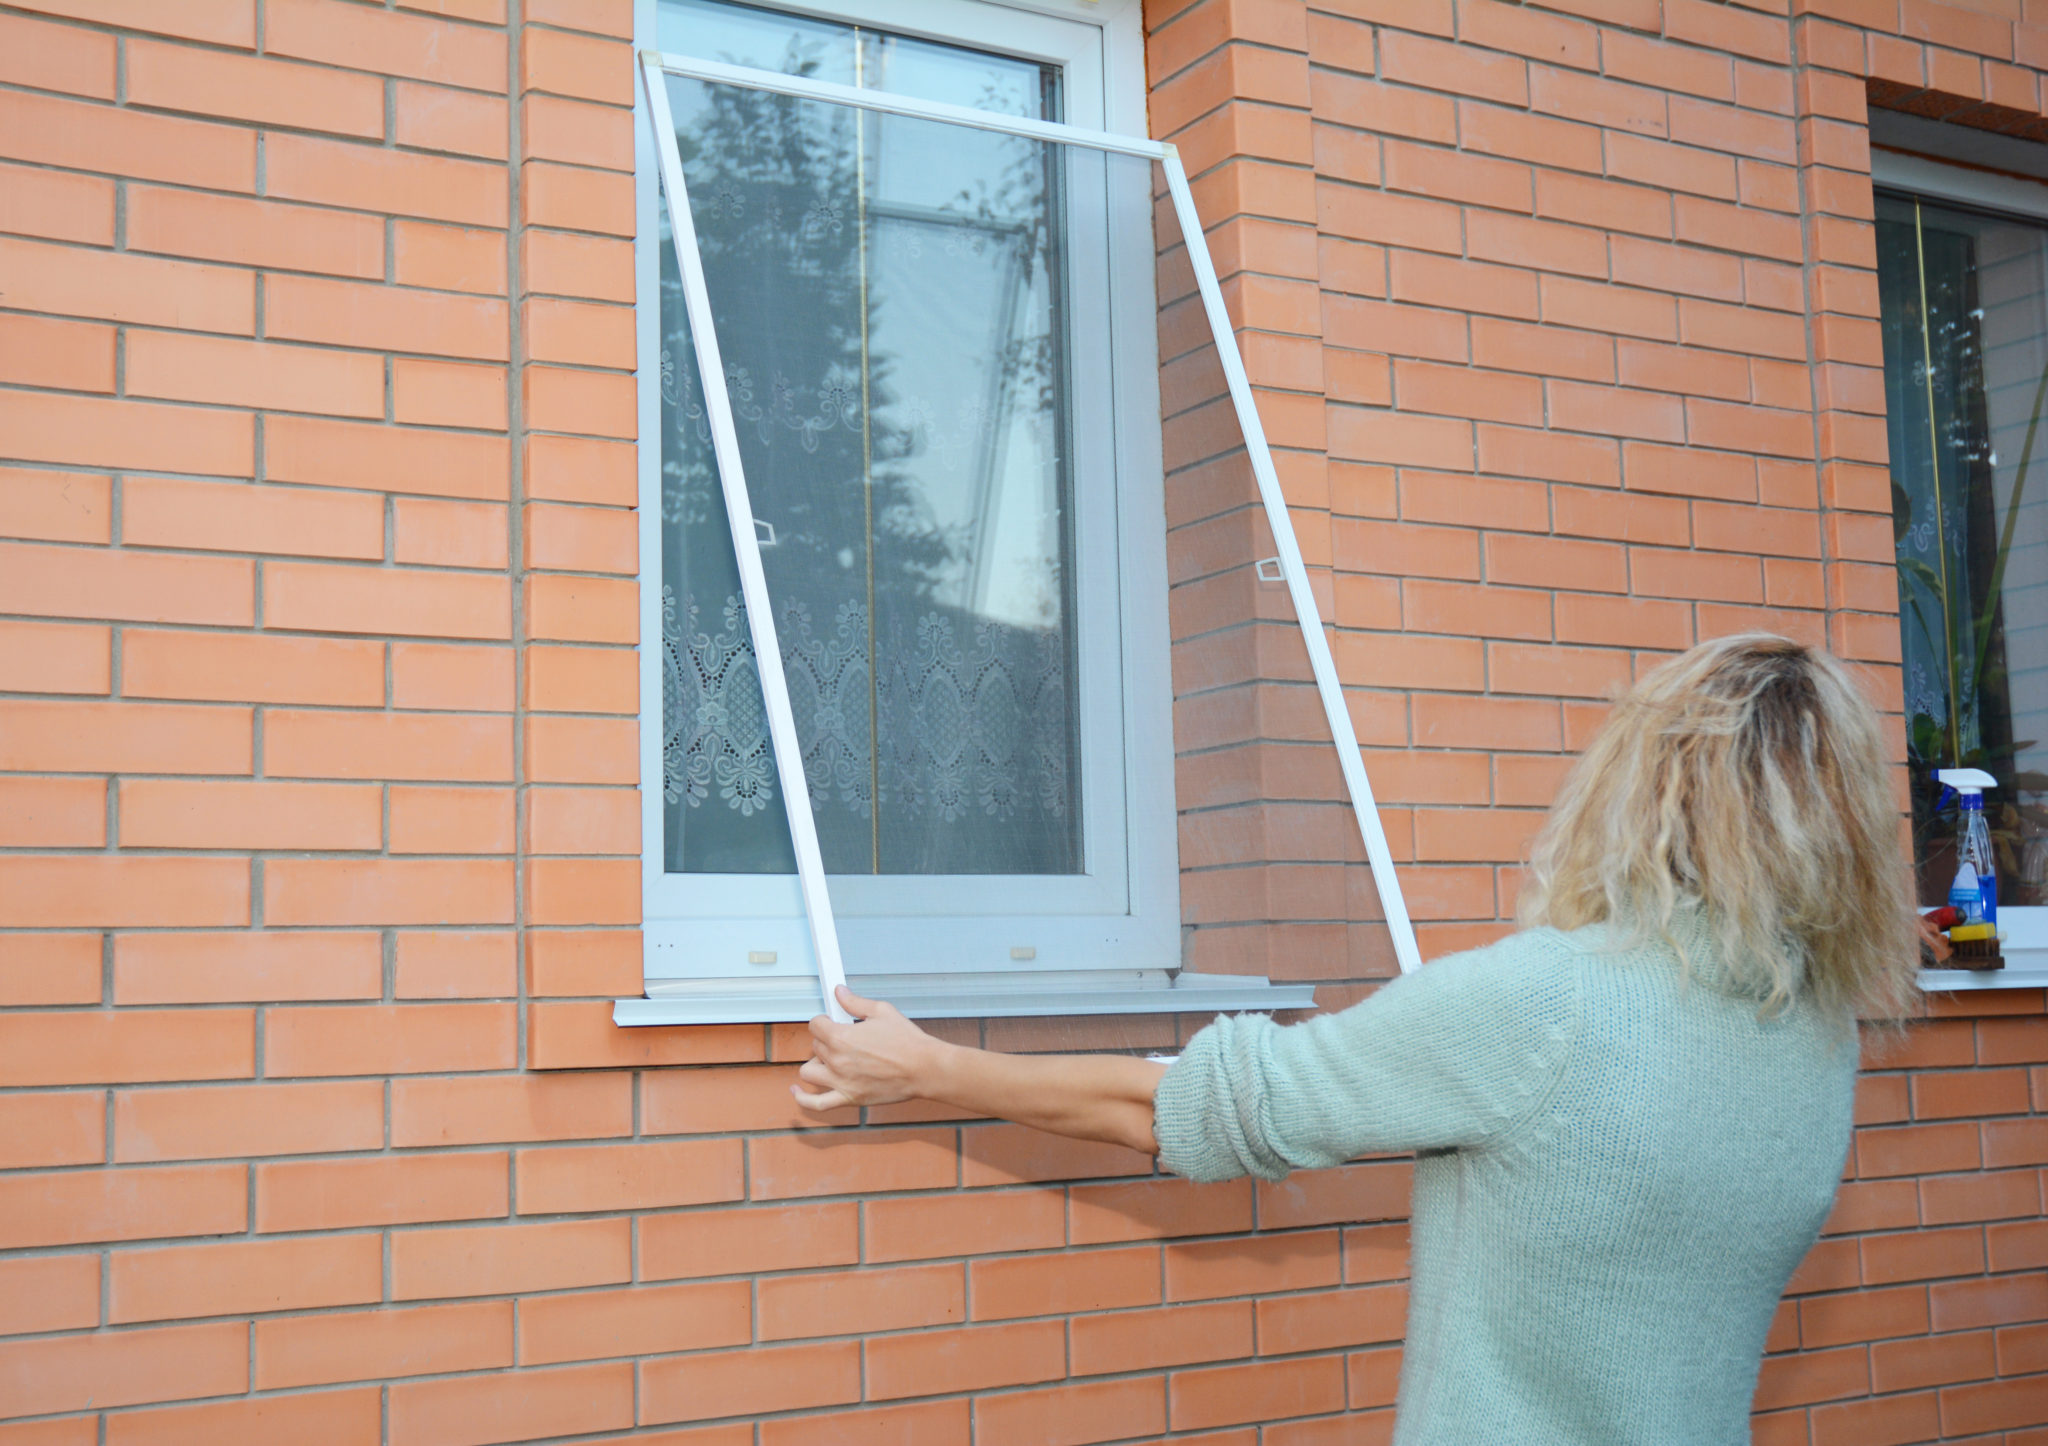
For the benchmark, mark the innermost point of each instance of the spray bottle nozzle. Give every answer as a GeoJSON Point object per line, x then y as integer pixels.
{"type": "Point", "coordinates": [1966, 780]}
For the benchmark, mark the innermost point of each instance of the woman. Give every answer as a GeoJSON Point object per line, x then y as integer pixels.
{"type": "Point", "coordinates": [1629, 1117]}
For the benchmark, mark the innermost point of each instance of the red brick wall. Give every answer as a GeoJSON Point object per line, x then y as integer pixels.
{"type": "Point", "coordinates": [318, 827]}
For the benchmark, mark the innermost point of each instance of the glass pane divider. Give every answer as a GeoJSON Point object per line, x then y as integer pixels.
{"type": "Point", "coordinates": [746, 542]}
{"type": "Point", "coordinates": [1281, 524]}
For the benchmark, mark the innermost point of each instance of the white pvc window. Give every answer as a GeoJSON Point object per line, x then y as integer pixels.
{"type": "Point", "coordinates": [909, 454]}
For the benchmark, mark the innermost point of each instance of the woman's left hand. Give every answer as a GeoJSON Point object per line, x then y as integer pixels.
{"type": "Point", "coordinates": [880, 1060]}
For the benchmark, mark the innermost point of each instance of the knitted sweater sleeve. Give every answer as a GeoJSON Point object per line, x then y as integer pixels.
{"type": "Point", "coordinates": [1454, 1055]}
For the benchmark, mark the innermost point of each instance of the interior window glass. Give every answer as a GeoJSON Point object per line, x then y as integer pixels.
{"type": "Point", "coordinates": [1964, 299]}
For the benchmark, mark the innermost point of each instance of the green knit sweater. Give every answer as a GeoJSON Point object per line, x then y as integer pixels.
{"type": "Point", "coordinates": [1616, 1173]}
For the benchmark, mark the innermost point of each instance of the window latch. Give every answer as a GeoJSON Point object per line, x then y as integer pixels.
{"type": "Point", "coordinates": [1269, 570]}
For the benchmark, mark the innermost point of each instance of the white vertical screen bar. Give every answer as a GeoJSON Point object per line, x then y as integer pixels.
{"type": "Point", "coordinates": [746, 546]}
{"type": "Point", "coordinates": [1296, 573]}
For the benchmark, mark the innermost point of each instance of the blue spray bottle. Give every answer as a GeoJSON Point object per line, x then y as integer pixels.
{"type": "Point", "coordinates": [1974, 894]}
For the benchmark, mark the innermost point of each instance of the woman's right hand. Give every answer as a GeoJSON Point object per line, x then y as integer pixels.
{"type": "Point", "coordinates": [880, 1059]}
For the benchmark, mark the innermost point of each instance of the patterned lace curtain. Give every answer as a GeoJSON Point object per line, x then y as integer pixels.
{"type": "Point", "coordinates": [888, 301]}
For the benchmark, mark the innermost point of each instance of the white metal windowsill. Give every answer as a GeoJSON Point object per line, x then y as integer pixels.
{"type": "Point", "coordinates": [964, 996]}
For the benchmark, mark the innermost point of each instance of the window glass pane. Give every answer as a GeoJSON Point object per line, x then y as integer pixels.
{"type": "Point", "coordinates": [1965, 319]}
{"type": "Point", "coordinates": [892, 298]}
{"type": "Point", "coordinates": [857, 55]}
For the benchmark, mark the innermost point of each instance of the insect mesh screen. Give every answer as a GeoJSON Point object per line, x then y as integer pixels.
{"type": "Point", "coordinates": [914, 329]}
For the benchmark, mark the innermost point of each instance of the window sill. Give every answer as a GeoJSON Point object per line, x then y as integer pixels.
{"type": "Point", "coordinates": [965, 996]}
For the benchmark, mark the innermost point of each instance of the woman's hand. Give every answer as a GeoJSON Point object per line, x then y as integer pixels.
{"type": "Point", "coordinates": [880, 1060]}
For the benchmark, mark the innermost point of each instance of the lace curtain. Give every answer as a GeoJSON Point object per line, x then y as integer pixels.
{"type": "Point", "coordinates": [887, 306]}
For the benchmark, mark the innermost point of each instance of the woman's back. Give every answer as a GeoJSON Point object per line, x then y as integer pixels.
{"type": "Point", "coordinates": [1618, 1169]}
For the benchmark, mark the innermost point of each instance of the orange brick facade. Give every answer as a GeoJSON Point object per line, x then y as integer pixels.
{"type": "Point", "coordinates": [318, 698]}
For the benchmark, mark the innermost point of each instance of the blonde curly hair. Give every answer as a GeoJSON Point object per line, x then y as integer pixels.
{"type": "Point", "coordinates": [1748, 775]}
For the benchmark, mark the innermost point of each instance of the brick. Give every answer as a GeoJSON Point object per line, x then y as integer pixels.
{"type": "Point", "coordinates": [1923, 1255]}
{"type": "Point", "coordinates": [330, 1418]}
{"type": "Point", "coordinates": [241, 87]}
{"type": "Point", "coordinates": [49, 1293]}
{"type": "Point", "coordinates": [43, 658]}
{"type": "Point", "coordinates": [103, 432]}
{"type": "Point", "coordinates": [118, 286]}
{"type": "Point", "coordinates": [582, 820]}
{"type": "Point", "coordinates": [495, 1110]}
{"type": "Point", "coordinates": [581, 469]}
{"type": "Point", "coordinates": [1265, 1391]}
{"type": "Point", "coordinates": [139, 1046]}
{"type": "Point", "coordinates": [2001, 1300]}
{"type": "Point", "coordinates": [56, 57]}
{"type": "Point", "coordinates": [980, 1224]}
{"type": "Point", "coordinates": [388, 1039]}
{"type": "Point", "coordinates": [52, 812]}
{"type": "Point", "coordinates": [1203, 1270]}
{"type": "Point", "coordinates": [508, 1259]}
{"type": "Point", "coordinates": [473, 1410]}
{"type": "Point", "coordinates": [436, 118]}
{"type": "Point", "coordinates": [448, 394]}
{"type": "Point", "coordinates": [863, 1302]}
{"type": "Point", "coordinates": [368, 178]}
{"type": "Point", "coordinates": [270, 234]}
{"type": "Point", "coordinates": [449, 258]}
{"type": "Point", "coordinates": [350, 313]}
{"type": "Point", "coordinates": [198, 968]}
{"type": "Point", "coordinates": [274, 378]}
{"type": "Point", "coordinates": [37, 351]}
{"type": "Point", "coordinates": [87, 1207]}
{"type": "Point", "coordinates": [571, 198]}
{"type": "Point", "coordinates": [747, 1382]}
{"type": "Point", "coordinates": [1092, 1280]}
{"type": "Point", "coordinates": [55, 506]}
{"type": "Point", "coordinates": [780, 1167]}
{"type": "Point", "coordinates": [582, 1036]}
{"type": "Point", "coordinates": [1141, 1340]}
{"type": "Point", "coordinates": [1327, 1319]}
{"type": "Point", "coordinates": [585, 962]}
{"type": "Point", "coordinates": [418, 603]}
{"type": "Point", "coordinates": [229, 1121]}
{"type": "Point", "coordinates": [968, 1358]}
{"type": "Point", "coordinates": [1157, 1208]}
{"type": "Point", "coordinates": [1962, 1093]}
{"type": "Point", "coordinates": [1967, 1410]}
{"type": "Point", "coordinates": [316, 1350]}
{"type": "Point", "coordinates": [59, 205]}
{"type": "Point", "coordinates": [217, 814]}
{"type": "Point", "coordinates": [437, 746]}
{"type": "Point", "coordinates": [924, 1423]}
{"type": "Point", "coordinates": [576, 1178]}
{"type": "Point", "coordinates": [710, 1100]}
{"type": "Point", "coordinates": [582, 891]}
{"type": "Point", "coordinates": [1916, 1150]}
{"type": "Point", "coordinates": [751, 1241]}
{"type": "Point", "coordinates": [453, 677]}
{"type": "Point", "coordinates": [564, 264]}
{"type": "Point", "coordinates": [245, 668]}
{"type": "Point", "coordinates": [82, 136]}
{"type": "Point", "coordinates": [451, 965]}
{"type": "Point", "coordinates": [60, 1128]}
{"type": "Point", "coordinates": [589, 680]}
{"type": "Point", "coordinates": [244, 1276]}
{"type": "Point", "coordinates": [395, 459]}
{"type": "Point", "coordinates": [641, 1321]}
{"type": "Point", "coordinates": [96, 737]}
{"type": "Point", "coordinates": [123, 1368]}
{"type": "Point", "coordinates": [336, 1194]}
{"type": "Point", "coordinates": [1070, 1414]}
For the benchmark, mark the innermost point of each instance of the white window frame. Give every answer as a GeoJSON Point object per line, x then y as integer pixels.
{"type": "Point", "coordinates": [771, 965]}
{"type": "Point", "coordinates": [2023, 931]}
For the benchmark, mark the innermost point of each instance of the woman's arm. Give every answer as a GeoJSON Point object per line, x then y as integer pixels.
{"type": "Point", "coordinates": [885, 1058]}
